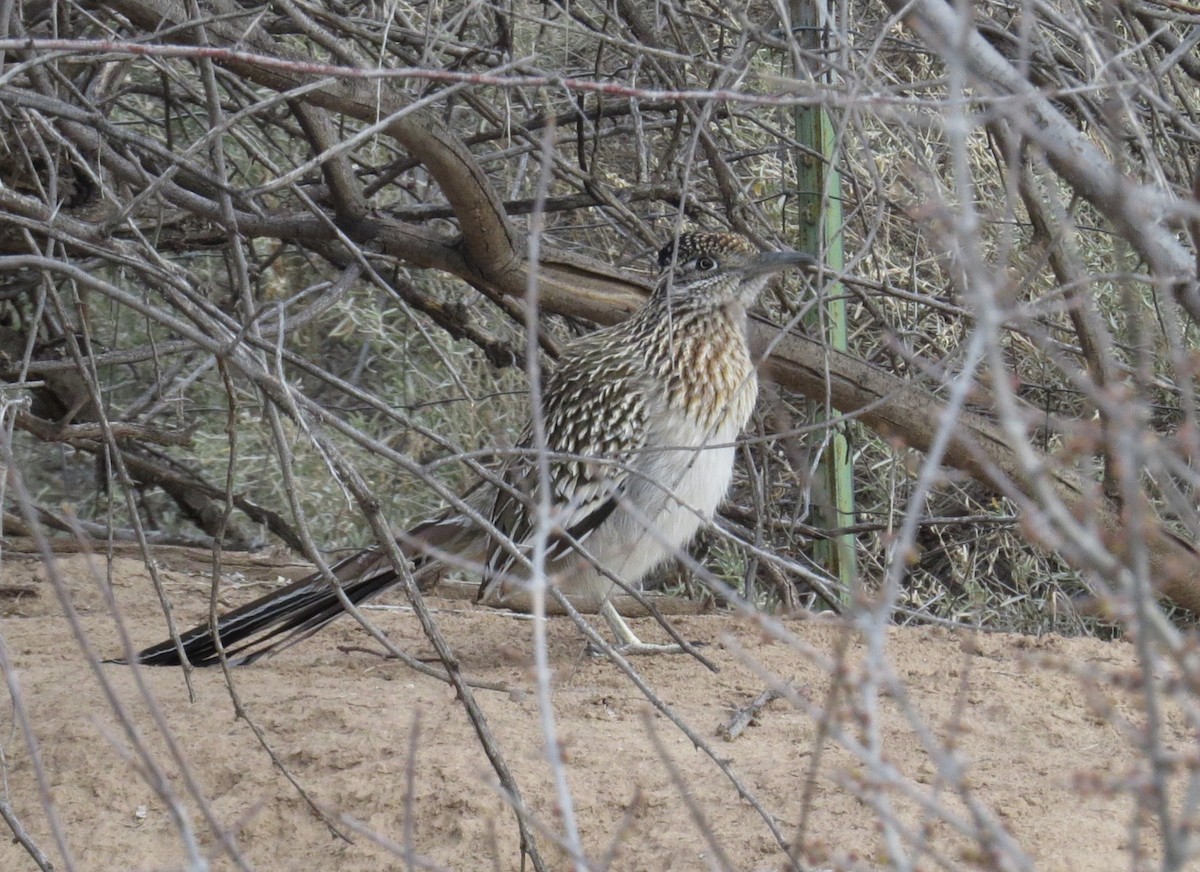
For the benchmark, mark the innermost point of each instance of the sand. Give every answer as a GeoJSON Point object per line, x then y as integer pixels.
{"type": "Point", "coordinates": [1030, 739]}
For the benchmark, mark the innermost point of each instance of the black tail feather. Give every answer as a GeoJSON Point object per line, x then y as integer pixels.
{"type": "Point", "coordinates": [294, 612]}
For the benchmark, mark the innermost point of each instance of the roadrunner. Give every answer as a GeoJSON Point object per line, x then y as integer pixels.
{"type": "Point", "coordinates": [639, 427]}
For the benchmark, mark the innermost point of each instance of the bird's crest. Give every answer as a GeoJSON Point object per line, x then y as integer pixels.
{"type": "Point", "coordinates": [696, 246]}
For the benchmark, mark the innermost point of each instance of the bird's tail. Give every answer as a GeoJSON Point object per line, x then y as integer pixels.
{"type": "Point", "coordinates": [283, 617]}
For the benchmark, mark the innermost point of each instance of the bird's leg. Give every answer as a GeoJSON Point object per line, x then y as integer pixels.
{"type": "Point", "coordinates": [627, 640]}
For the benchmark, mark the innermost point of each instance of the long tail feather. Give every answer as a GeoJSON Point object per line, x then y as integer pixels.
{"type": "Point", "coordinates": [283, 617]}
{"type": "Point", "coordinates": [279, 619]}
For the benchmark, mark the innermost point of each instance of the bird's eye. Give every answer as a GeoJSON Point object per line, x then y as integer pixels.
{"type": "Point", "coordinates": [705, 263]}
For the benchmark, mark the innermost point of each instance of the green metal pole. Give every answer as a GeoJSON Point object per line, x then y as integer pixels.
{"type": "Point", "coordinates": [819, 193]}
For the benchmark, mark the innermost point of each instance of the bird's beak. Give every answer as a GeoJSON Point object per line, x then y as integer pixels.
{"type": "Point", "coordinates": [776, 261]}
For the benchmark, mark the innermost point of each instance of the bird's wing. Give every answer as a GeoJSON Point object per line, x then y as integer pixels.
{"type": "Point", "coordinates": [595, 426]}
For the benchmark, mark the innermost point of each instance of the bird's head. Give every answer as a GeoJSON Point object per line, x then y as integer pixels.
{"type": "Point", "coordinates": [720, 269]}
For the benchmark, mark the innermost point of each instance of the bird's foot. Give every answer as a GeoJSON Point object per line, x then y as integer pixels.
{"type": "Point", "coordinates": [631, 649]}
{"type": "Point", "coordinates": [628, 643]}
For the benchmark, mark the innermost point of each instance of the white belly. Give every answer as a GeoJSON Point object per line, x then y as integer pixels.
{"type": "Point", "coordinates": [676, 493]}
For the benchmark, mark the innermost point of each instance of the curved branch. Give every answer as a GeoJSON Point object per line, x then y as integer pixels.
{"type": "Point", "coordinates": [488, 239]}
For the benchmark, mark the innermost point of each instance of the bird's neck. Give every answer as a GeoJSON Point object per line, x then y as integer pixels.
{"type": "Point", "coordinates": [702, 357]}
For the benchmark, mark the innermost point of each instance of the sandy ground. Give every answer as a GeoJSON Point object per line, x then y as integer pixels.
{"type": "Point", "coordinates": [392, 754]}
